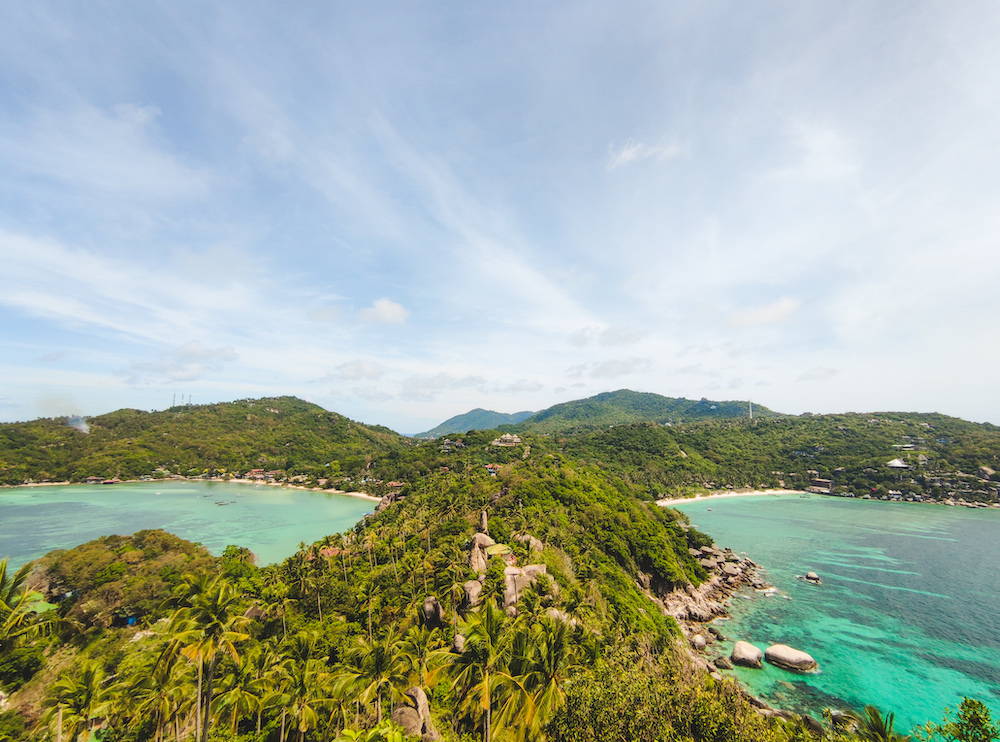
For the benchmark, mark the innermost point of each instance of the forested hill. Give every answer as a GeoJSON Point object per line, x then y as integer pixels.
{"type": "Point", "coordinates": [626, 406]}
{"type": "Point", "coordinates": [477, 419]}
{"type": "Point", "coordinates": [280, 433]}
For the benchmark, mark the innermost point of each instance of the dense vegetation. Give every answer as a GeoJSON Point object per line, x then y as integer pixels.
{"type": "Point", "coordinates": [625, 406]}
{"type": "Point", "coordinates": [154, 639]}
{"type": "Point", "coordinates": [477, 419]}
{"type": "Point", "coordinates": [283, 434]}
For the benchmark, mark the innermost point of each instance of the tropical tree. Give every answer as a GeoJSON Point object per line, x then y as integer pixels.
{"type": "Point", "coordinates": [874, 727]}
{"type": "Point", "coordinates": [20, 608]}
{"type": "Point", "coordinates": [207, 627]}
{"type": "Point", "coordinates": [373, 669]}
{"type": "Point", "coordinates": [76, 702]}
{"type": "Point", "coordinates": [481, 665]}
{"type": "Point", "coordinates": [306, 683]}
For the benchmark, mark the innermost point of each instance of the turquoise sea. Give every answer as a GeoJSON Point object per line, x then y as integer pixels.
{"type": "Point", "coordinates": [270, 521]}
{"type": "Point", "coordinates": [908, 613]}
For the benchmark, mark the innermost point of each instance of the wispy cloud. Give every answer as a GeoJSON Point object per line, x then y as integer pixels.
{"type": "Point", "coordinates": [385, 311]}
{"type": "Point", "coordinates": [633, 151]}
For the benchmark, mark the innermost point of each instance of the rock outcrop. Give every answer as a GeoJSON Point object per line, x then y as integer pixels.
{"type": "Point", "coordinates": [746, 654]}
{"type": "Point", "coordinates": [787, 658]}
{"type": "Point", "coordinates": [433, 612]}
{"type": "Point", "coordinates": [478, 558]}
{"type": "Point", "coordinates": [533, 543]}
{"type": "Point", "coordinates": [472, 589]}
{"type": "Point", "coordinates": [516, 579]}
{"type": "Point", "coordinates": [414, 716]}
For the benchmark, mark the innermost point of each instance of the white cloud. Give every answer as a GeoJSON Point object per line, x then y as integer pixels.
{"type": "Point", "coordinates": [385, 311]}
{"type": "Point", "coordinates": [777, 312]}
{"type": "Point", "coordinates": [189, 362]}
{"type": "Point", "coordinates": [605, 336]}
{"type": "Point", "coordinates": [610, 369]}
{"type": "Point", "coordinates": [370, 394]}
{"type": "Point", "coordinates": [426, 388]}
{"type": "Point", "coordinates": [633, 151]}
{"type": "Point", "coordinates": [818, 373]}
{"type": "Point", "coordinates": [359, 369]}
{"type": "Point", "coordinates": [523, 385]}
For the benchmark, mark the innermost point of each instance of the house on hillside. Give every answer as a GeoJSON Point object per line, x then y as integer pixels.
{"type": "Point", "coordinates": [506, 440]}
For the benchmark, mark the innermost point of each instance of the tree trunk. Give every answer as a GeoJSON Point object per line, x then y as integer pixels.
{"type": "Point", "coordinates": [207, 721]}
{"type": "Point", "coordinates": [282, 737]}
{"type": "Point", "coordinates": [59, 731]}
{"type": "Point", "coordinates": [197, 706]}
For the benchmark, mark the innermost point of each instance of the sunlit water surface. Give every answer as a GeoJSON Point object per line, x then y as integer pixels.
{"type": "Point", "coordinates": [270, 521]}
{"type": "Point", "coordinates": [908, 613]}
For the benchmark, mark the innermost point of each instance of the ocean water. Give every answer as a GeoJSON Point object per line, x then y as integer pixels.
{"type": "Point", "coordinates": [907, 616]}
{"type": "Point", "coordinates": [270, 521]}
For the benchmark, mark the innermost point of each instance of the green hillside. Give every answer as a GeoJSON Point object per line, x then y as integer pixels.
{"type": "Point", "coordinates": [282, 433]}
{"type": "Point", "coordinates": [477, 419]}
{"type": "Point", "coordinates": [625, 406]}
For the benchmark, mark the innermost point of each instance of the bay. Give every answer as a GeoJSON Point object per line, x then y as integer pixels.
{"type": "Point", "coordinates": [908, 613]}
{"type": "Point", "coordinates": [270, 521]}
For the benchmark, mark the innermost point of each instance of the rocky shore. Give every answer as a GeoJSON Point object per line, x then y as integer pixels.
{"type": "Point", "coordinates": [695, 608]}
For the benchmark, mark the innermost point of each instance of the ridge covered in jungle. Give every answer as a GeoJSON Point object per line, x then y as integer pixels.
{"type": "Point", "coordinates": [505, 589]}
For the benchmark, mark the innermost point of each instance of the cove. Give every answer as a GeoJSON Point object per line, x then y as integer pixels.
{"type": "Point", "coordinates": [270, 521]}
{"type": "Point", "coordinates": [908, 614]}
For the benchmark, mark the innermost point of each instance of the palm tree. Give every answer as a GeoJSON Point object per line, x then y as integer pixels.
{"type": "Point", "coordinates": [20, 608]}
{"type": "Point", "coordinates": [551, 657]}
{"type": "Point", "coordinates": [77, 700]}
{"type": "Point", "coordinates": [156, 690]}
{"type": "Point", "coordinates": [207, 627]}
{"type": "Point", "coordinates": [422, 653]}
{"type": "Point", "coordinates": [481, 665]}
{"type": "Point", "coordinates": [873, 727]}
{"type": "Point", "coordinates": [306, 683]}
{"type": "Point", "coordinates": [373, 669]}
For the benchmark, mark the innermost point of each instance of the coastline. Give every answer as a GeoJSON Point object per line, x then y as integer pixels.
{"type": "Point", "coordinates": [361, 495]}
{"type": "Point", "coordinates": [719, 495]}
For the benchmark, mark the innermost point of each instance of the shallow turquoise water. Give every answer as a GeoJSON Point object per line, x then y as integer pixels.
{"type": "Point", "coordinates": [907, 617]}
{"type": "Point", "coordinates": [270, 521]}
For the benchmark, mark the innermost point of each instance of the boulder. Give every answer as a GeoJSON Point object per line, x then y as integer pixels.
{"type": "Point", "coordinates": [533, 543]}
{"type": "Point", "coordinates": [473, 590]}
{"type": "Point", "coordinates": [699, 642]}
{"type": "Point", "coordinates": [478, 558]}
{"type": "Point", "coordinates": [409, 719]}
{"type": "Point", "coordinates": [562, 616]}
{"type": "Point", "coordinates": [484, 524]}
{"type": "Point", "coordinates": [433, 612]}
{"type": "Point", "coordinates": [812, 576]}
{"type": "Point", "coordinates": [459, 644]}
{"type": "Point", "coordinates": [418, 698]}
{"type": "Point", "coordinates": [516, 579]}
{"type": "Point", "coordinates": [787, 658]}
{"type": "Point", "coordinates": [746, 654]}
{"type": "Point", "coordinates": [723, 663]}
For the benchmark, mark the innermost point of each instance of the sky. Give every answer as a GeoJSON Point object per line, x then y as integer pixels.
{"type": "Point", "coordinates": [402, 211]}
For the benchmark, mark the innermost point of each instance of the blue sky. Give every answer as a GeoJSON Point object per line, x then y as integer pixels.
{"type": "Point", "coordinates": [402, 211]}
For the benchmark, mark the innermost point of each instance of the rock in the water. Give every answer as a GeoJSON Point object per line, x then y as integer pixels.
{"type": "Point", "coordinates": [746, 654]}
{"type": "Point", "coordinates": [699, 642]}
{"type": "Point", "coordinates": [433, 612]}
{"type": "Point", "coordinates": [788, 658]}
{"type": "Point", "coordinates": [723, 663]}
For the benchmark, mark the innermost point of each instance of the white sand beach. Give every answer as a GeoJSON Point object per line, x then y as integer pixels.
{"type": "Point", "coordinates": [720, 495]}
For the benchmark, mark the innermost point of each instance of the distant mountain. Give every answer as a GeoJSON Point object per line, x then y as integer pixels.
{"type": "Point", "coordinates": [477, 419]}
{"type": "Point", "coordinates": [626, 406]}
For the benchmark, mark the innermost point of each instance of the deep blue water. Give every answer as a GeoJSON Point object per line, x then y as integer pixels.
{"type": "Point", "coordinates": [907, 617]}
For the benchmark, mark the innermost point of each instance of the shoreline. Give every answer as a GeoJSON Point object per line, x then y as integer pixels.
{"type": "Point", "coordinates": [251, 482]}
{"type": "Point", "coordinates": [668, 502]}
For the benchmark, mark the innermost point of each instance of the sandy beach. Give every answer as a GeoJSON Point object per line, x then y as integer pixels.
{"type": "Point", "coordinates": [720, 495]}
